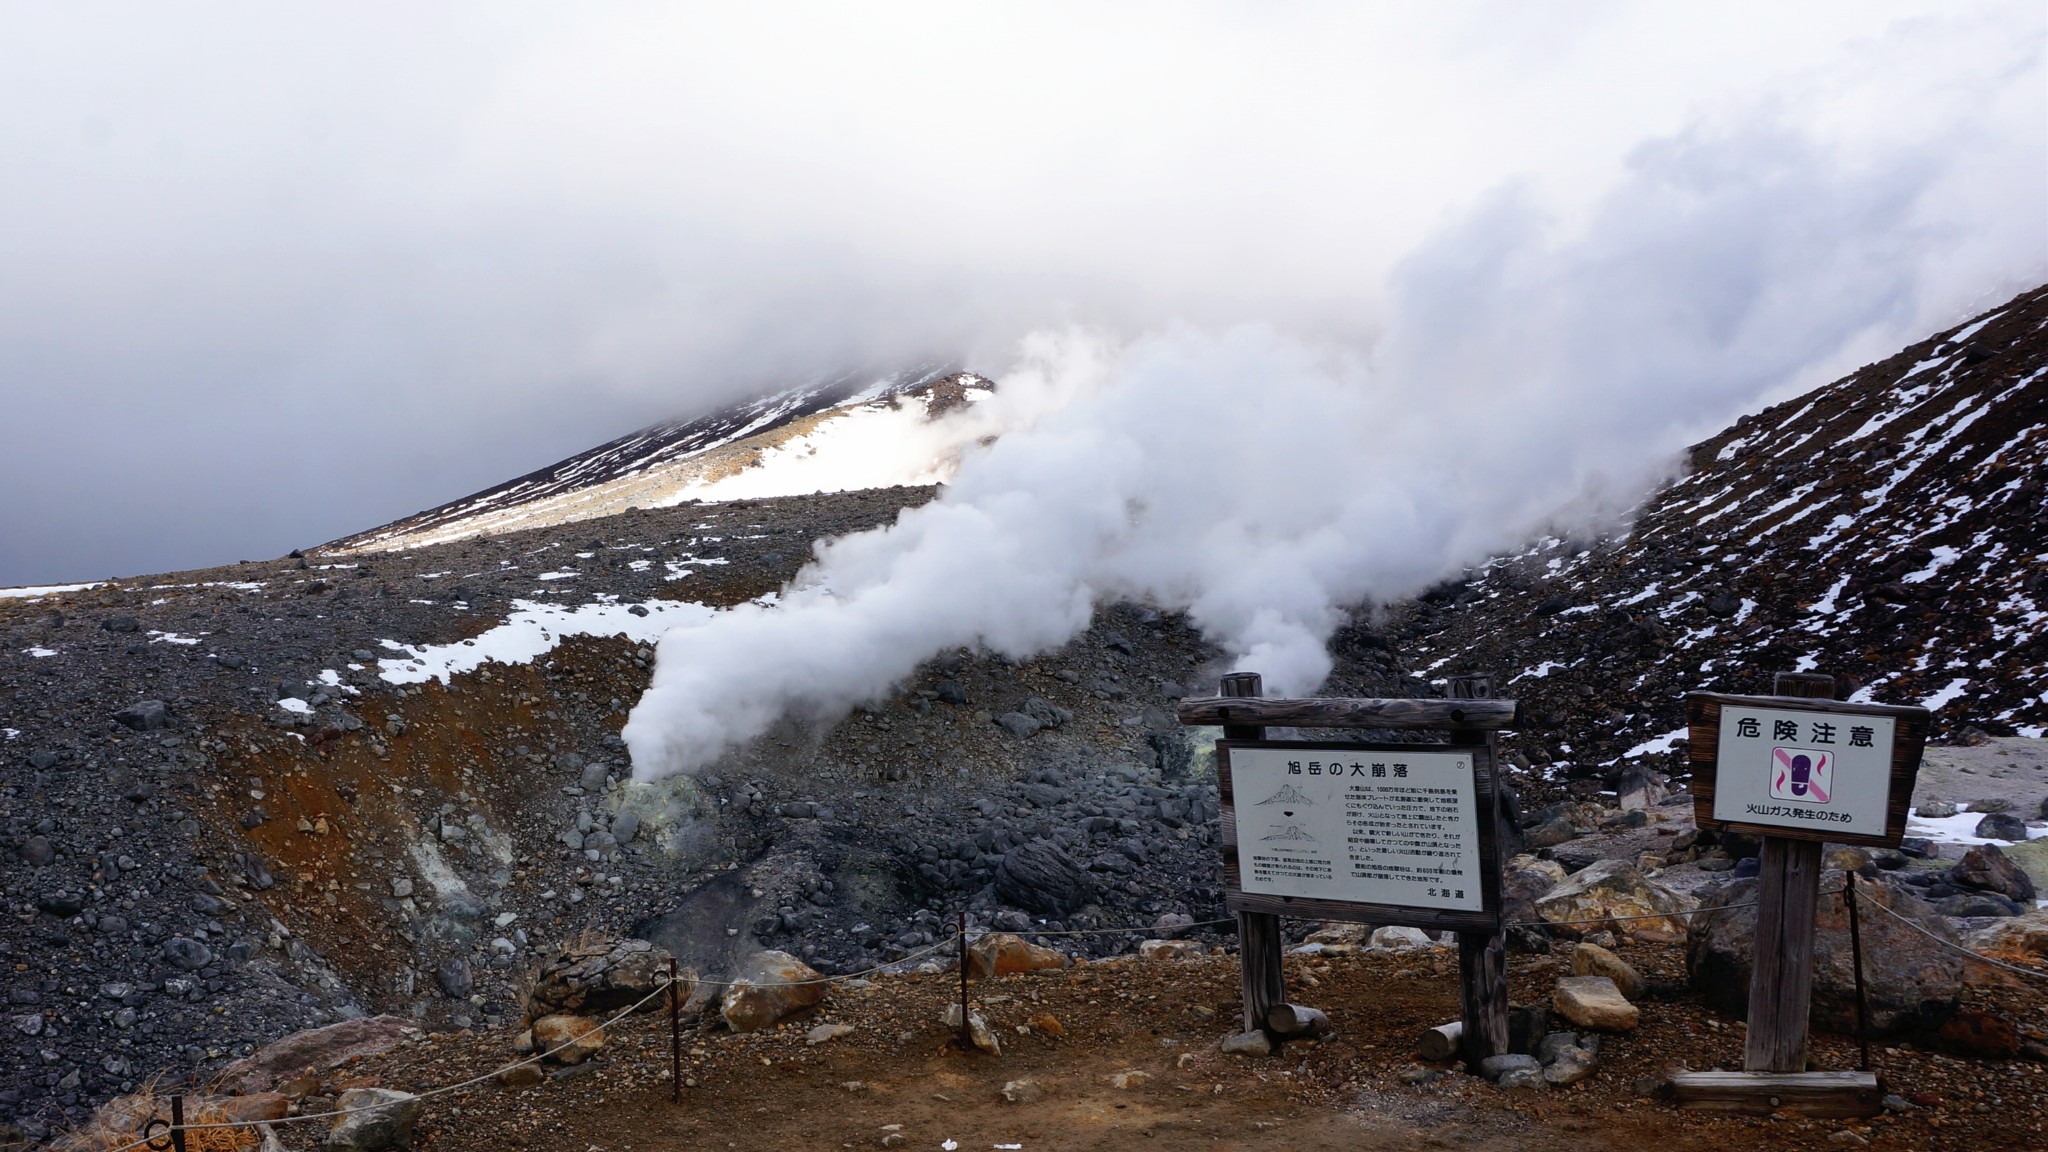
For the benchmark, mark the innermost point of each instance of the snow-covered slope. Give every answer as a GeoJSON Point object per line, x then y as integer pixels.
{"type": "Point", "coordinates": [1890, 528]}
{"type": "Point", "coordinates": [832, 437]}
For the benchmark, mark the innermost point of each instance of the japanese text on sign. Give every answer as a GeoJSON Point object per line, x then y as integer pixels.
{"type": "Point", "coordinates": [1378, 828]}
{"type": "Point", "coordinates": [1804, 769]}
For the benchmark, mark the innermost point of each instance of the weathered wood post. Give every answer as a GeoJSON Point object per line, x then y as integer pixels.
{"type": "Point", "coordinates": [1788, 890]}
{"type": "Point", "coordinates": [1482, 956]}
{"type": "Point", "coordinates": [1258, 933]}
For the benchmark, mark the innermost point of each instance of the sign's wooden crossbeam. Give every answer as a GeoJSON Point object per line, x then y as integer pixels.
{"type": "Point", "coordinates": [1352, 712]}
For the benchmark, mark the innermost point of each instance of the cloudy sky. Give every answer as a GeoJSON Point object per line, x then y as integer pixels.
{"type": "Point", "coordinates": [271, 274]}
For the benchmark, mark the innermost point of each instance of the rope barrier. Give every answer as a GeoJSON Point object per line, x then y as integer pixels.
{"type": "Point", "coordinates": [955, 938]}
{"type": "Point", "coordinates": [1953, 946]}
{"type": "Point", "coordinates": [333, 1114]}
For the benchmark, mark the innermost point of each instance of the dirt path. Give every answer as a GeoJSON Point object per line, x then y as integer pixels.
{"type": "Point", "coordinates": [1123, 1055]}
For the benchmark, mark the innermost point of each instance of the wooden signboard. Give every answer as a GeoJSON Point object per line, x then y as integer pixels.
{"type": "Point", "coordinates": [1804, 769]}
{"type": "Point", "coordinates": [1366, 833]}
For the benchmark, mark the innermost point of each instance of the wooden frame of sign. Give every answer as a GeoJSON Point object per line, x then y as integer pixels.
{"type": "Point", "coordinates": [1485, 798]}
{"type": "Point", "coordinates": [1703, 714]}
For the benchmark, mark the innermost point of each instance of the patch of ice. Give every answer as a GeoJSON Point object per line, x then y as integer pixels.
{"type": "Point", "coordinates": [1960, 828]}
{"type": "Point", "coordinates": [46, 590]}
{"type": "Point", "coordinates": [11, 733]}
{"type": "Point", "coordinates": [156, 637]}
{"type": "Point", "coordinates": [1657, 744]}
{"type": "Point", "coordinates": [533, 630]}
{"type": "Point", "coordinates": [1825, 606]}
{"type": "Point", "coordinates": [1537, 673]}
{"type": "Point", "coordinates": [1941, 699]}
{"type": "Point", "coordinates": [1943, 557]}
{"type": "Point", "coordinates": [294, 704]}
{"type": "Point", "coordinates": [563, 574]}
{"type": "Point", "coordinates": [39, 652]}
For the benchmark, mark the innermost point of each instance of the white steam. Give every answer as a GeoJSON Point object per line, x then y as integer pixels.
{"type": "Point", "coordinates": [1264, 482]}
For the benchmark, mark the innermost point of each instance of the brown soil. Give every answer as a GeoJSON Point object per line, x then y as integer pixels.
{"type": "Point", "coordinates": [772, 1090]}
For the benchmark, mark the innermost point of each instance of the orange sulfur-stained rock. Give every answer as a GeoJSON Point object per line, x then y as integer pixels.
{"type": "Point", "coordinates": [1001, 953]}
{"type": "Point", "coordinates": [773, 986]}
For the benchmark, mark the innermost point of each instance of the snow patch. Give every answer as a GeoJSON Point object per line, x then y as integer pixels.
{"type": "Point", "coordinates": [532, 631]}
{"type": "Point", "coordinates": [46, 590]}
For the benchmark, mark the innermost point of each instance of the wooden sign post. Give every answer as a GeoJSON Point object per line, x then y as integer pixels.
{"type": "Point", "coordinates": [1369, 833]}
{"type": "Point", "coordinates": [1799, 770]}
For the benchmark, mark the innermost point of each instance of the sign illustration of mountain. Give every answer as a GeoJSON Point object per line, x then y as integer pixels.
{"type": "Point", "coordinates": [1289, 832]}
{"type": "Point", "coordinates": [1802, 774]}
{"type": "Point", "coordinates": [1288, 794]}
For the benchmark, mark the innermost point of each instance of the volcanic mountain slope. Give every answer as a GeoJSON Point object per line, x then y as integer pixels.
{"type": "Point", "coordinates": [698, 458]}
{"type": "Point", "coordinates": [1890, 528]}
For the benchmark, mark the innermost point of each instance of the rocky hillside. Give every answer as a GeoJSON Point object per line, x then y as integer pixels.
{"type": "Point", "coordinates": [385, 777]}
{"type": "Point", "coordinates": [1890, 528]}
{"type": "Point", "coordinates": [671, 463]}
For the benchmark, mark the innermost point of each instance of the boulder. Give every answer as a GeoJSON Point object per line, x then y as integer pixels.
{"type": "Point", "coordinates": [144, 715]}
{"type": "Point", "coordinates": [1612, 895]}
{"type": "Point", "coordinates": [773, 986]}
{"type": "Point", "coordinates": [374, 1118]}
{"type": "Point", "coordinates": [1171, 949]}
{"type": "Point", "coordinates": [1594, 1002]}
{"type": "Point", "coordinates": [2001, 826]}
{"type": "Point", "coordinates": [1985, 868]}
{"type": "Point", "coordinates": [2031, 858]}
{"type": "Point", "coordinates": [1593, 960]}
{"type": "Point", "coordinates": [602, 977]}
{"type": "Point", "coordinates": [2020, 940]}
{"type": "Point", "coordinates": [1570, 1066]}
{"type": "Point", "coordinates": [1037, 875]}
{"type": "Point", "coordinates": [1252, 1043]}
{"type": "Point", "coordinates": [319, 1049]}
{"type": "Point", "coordinates": [1399, 938]}
{"type": "Point", "coordinates": [1915, 985]}
{"type": "Point", "coordinates": [567, 1039]}
{"type": "Point", "coordinates": [1001, 953]}
{"type": "Point", "coordinates": [1495, 1067]}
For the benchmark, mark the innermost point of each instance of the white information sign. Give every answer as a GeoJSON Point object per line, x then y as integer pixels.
{"type": "Point", "coordinates": [1802, 769]}
{"type": "Point", "coordinates": [1368, 827]}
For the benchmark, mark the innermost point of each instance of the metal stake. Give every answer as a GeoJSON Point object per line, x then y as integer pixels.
{"type": "Point", "coordinates": [178, 1123]}
{"type": "Point", "coordinates": [966, 1034]}
{"type": "Point", "coordinates": [1856, 960]}
{"type": "Point", "coordinates": [675, 1036]}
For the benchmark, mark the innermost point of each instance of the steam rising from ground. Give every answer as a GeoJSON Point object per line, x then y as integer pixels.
{"type": "Point", "coordinates": [1265, 483]}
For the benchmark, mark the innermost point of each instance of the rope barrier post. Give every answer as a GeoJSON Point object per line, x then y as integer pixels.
{"type": "Point", "coordinates": [675, 1036]}
{"type": "Point", "coordinates": [178, 1123]}
{"type": "Point", "coordinates": [1856, 962]}
{"type": "Point", "coordinates": [966, 1033]}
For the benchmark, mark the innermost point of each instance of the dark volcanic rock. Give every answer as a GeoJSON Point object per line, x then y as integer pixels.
{"type": "Point", "coordinates": [1986, 869]}
{"type": "Point", "coordinates": [1042, 878]}
{"type": "Point", "coordinates": [143, 715]}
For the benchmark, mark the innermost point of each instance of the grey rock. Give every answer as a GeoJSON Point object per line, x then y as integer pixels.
{"type": "Point", "coordinates": [1494, 1067]}
{"type": "Point", "coordinates": [187, 953]}
{"type": "Point", "coordinates": [42, 761]}
{"type": "Point", "coordinates": [1548, 1048]}
{"type": "Point", "coordinates": [37, 851]}
{"type": "Point", "coordinates": [950, 692]}
{"type": "Point", "coordinates": [1978, 904]}
{"type": "Point", "coordinates": [1570, 1066]}
{"type": "Point", "coordinates": [1018, 724]}
{"type": "Point", "coordinates": [625, 827]}
{"type": "Point", "coordinates": [1522, 1078]}
{"type": "Point", "coordinates": [122, 624]}
{"type": "Point", "coordinates": [2002, 826]}
{"type": "Point", "coordinates": [593, 777]}
{"type": "Point", "coordinates": [454, 978]}
{"type": "Point", "coordinates": [1985, 868]}
{"type": "Point", "coordinates": [60, 904]}
{"type": "Point", "coordinates": [1253, 1043]}
{"type": "Point", "coordinates": [1550, 833]}
{"type": "Point", "coordinates": [374, 1119]}
{"type": "Point", "coordinates": [1041, 877]}
{"type": "Point", "coordinates": [144, 715]}
{"type": "Point", "coordinates": [1937, 809]}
